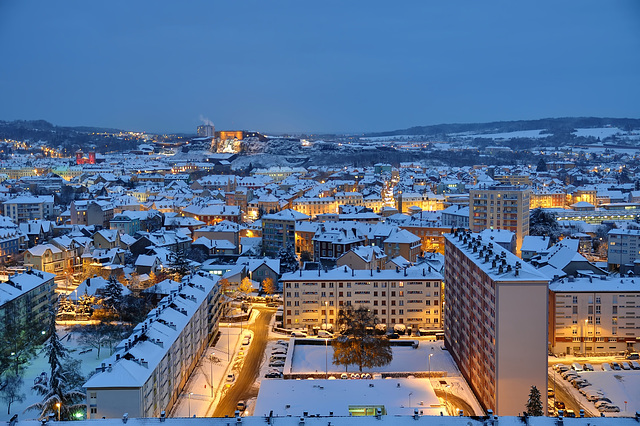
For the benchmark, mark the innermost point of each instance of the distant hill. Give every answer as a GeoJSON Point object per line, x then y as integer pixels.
{"type": "Point", "coordinates": [551, 125]}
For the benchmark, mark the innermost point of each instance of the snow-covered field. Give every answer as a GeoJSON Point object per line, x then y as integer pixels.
{"type": "Point", "coordinates": [510, 135]}
{"type": "Point", "coordinates": [599, 132]}
{"type": "Point", "coordinates": [311, 358]}
{"type": "Point", "coordinates": [88, 362]}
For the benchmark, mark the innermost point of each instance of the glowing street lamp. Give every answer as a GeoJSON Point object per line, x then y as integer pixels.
{"type": "Point", "coordinates": [58, 407]}
{"type": "Point", "coordinates": [190, 393]}
{"type": "Point", "coordinates": [430, 355]}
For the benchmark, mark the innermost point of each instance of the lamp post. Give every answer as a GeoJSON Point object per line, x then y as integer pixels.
{"type": "Point", "coordinates": [410, 393]}
{"type": "Point", "coordinates": [430, 355]}
{"type": "Point", "coordinates": [228, 345]}
{"type": "Point", "coordinates": [58, 407]}
{"type": "Point", "coordinates": [211, 372]}
{"type": "Point", "coordinates": [190, 393]}
{"type": "Point", "coordinates": [584, 335]}
{"type": "Point", "coordinates": [326, 341]}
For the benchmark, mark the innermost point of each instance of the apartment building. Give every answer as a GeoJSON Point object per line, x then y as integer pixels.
{"type": "Point", "coordinates": [91, 212]}
{"type": "Point", "coordinates": [594, 315]}
{"type": "Point", "coordinates": [500, 207]}
{"type": "Point", "coordinates": [28, 207]}
{"type": "Point", "coordinates": [27, 297]}
{"type": "Point", "coordinates": [495, 321]}
{"type": "Point", "coordinates": [147, 372]}
{"type": "Point", "coordinates": [623, 249]}
{"type": "Point", "coordinates": [278, 230]}
{"type": "Point", "coordinates": [313, 206]}
{"type": "Point", "coordinates": [411, 297]}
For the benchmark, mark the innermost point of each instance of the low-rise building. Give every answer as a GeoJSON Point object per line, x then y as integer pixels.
{"type": "Point", "coordinates": [148, 370]}
{"type": "Point", "coordinates": [594, 315]}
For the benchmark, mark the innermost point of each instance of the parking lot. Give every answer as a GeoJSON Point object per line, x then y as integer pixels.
{"type": "Point", "coordinates": [609, 388]}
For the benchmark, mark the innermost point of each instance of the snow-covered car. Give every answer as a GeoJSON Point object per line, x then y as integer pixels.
{"type": "Point", "coordinates": [616, 366]}
{"type": "Point", "coordinates": [231, 377]}
{"type": "Point", "coordinates": [273, 375]}
{"type": "Point", "coordinates": [609, 408]}
{"type": "Point", "coordinates": [276, 364]}
{"type": "Point", "coordinates": [561, 368]}
{"type": "Point", "coordinates": [606, 366]}
{"type": "Point", "coordinates": [344, 376]}
{"type": "Point", "coordinates": [567, 375]}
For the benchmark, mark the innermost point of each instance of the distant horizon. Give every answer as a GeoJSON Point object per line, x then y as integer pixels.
{"type": "Point", "coordinates": [311, 133]}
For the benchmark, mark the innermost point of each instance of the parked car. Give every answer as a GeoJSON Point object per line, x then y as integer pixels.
{"type": "Point", "coordinates": [273, 375]}
{"type": "Point", "coordinates": [559, 405]}
{"type": "Point", "coordinates": [393, 336]}
{"type": "Point", "coordinates": [550, 393]}
{"type": "Point", "coordinates": [299, 334]}
{"type": "Point", "coordinates": [241, 406]}
{"type": "Point", "coordinates": [568, 374]}
{"type": "Point", "coordinates": [569, 413]}
{"type": "Point", "coordinates": [625, 366]}
{"type": "Point", "coordinates": [606, 367]}
{"type": "Point", "coordinates": [231, 377]}
{"type": "Point", "coordinates": [588, 367]}
{"type": "Point", "coordinates": [635, 365]}
{"type": "Point", "coordinates": [616, 366]}
{"type": "Point", "coordinates": [561, 368]}
{"type": "Point", "coordinates": [344, 376]}
{"type": "Point", "coordinates": [633, 356]}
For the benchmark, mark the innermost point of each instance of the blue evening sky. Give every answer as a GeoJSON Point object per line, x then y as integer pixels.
{"type": "Point", "coordinates": [323, 66]}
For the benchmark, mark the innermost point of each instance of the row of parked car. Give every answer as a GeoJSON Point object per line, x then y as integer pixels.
{"type": "Point", "coordinates": [624, 365]}
{"type": "Point", "coordinates": [276, 360]}
{"type": "Point", "coordinates": [571, 374]}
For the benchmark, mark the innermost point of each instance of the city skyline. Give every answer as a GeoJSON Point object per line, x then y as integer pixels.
{"type": "Point", "coordinates": [287, 67]}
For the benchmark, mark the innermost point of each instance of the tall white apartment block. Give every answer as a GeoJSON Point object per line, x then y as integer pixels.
{"type": "Point", "coordinates": [623, 249]}
{"type": "Point", "coordinates": [500, 207]}
{"type": "Point", "coordinates": [495, 321]}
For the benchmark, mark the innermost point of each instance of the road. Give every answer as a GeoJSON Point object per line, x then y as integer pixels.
{"type": "Point", "coordinates": [455, 402]}
{"type": "Point", "coordinates": [245, 386]}
{"type": "Point", "coordinates": [564, 396]}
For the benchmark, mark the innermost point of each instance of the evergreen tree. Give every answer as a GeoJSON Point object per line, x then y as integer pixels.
{"type": "Point", "coordinates": [542, 166]}
{"type": "Point", "coordinates": [542, 223]}
{"type": "Point", "coordinates": [288, 259]}
{"type": "Point", "coordinates": [534, 404]}
{"type": "Point", "coordinates": [62, 392]}
{"type": "Point", "coordinates": [179, 265]}
{"type": "Point", "coordinates": [112, 294]}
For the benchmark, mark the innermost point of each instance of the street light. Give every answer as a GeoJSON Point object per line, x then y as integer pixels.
{"type": "Point", "coordinates": [190, 393]}
{"type": "Point", "coordinates": [211, 372]}
{"type": "Point", "coordinates": [430, 355]}
{"type": "Point", "coordinates": [410, 393]}
{"type": "Point", "coordinates": [584, 337]}
{"type": "Point", "coordinates": [58, 407]}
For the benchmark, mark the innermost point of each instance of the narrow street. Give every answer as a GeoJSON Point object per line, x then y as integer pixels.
{"type": "Point", "coordinates": [564, 396]}
{"type": "Point", "coordinates": [455, 403]}
{"type": "Point", "coordinates": [245, 386]}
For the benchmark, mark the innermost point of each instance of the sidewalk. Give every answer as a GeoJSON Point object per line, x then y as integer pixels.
{"type": "Point", "coordinates": [196, 398]}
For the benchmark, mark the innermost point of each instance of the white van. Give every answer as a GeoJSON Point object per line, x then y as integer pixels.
{"type": "Point", "coordinates": [298, 334]}
{"type": "Point", "coordinates": [325, 334]}
{"type": "Point", "coordinates": [606, 367]}
{"type": "Point", "coordinates": [577, 367]}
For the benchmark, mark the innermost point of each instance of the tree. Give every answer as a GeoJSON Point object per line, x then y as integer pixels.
{"type": "Point", "coordinates": [542, 166]}
{"type": "Point", "coordinates": [179, 265]}
{"type": "Point", "coordinates": [534, 404]}
{"type": "Point", "coordinates": [288, 260]}
{"type": "Point", "coordinates": [92, 336]}
{"type": "Point", "coordinates": [268, 286]}
{"type": "Point", "coordinates": [357, 343]}
{"type": "Point", "coordinates": [224, 285]}
{"type": "Point", "coordinates": [64, 383]}
{"type": "Point", "coordinates": [543, 223]}
{"type": "Point", "coordinates": [10, 393]}
{"type": "Point", "coordinates": [112, 294]}
{"type": "Point", "coordinates": [245, 286]}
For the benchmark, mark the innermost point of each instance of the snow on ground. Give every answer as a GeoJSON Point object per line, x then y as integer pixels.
{"type": "Point", "coordinates": [88, 362]}
{"type": "Point", "coordinates": [598, 132]}
{"type": "Point", "coordinates": [510, 135]}
{"type": "Point", "coordinates": [311, 358]}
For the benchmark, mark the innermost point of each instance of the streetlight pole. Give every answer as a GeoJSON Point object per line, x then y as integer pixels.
{"type": "Point", "coordinates": [410, 393]}
{"type": "Point", "coordinates": [190, 393]}
{"type": "Point", "coordinates": [228, 345]}
{"type": "Point", "coordinates": [58, 407]}
{"type": "Point", "coordinates": [211, 372]}
{"type": "Point", "coordinates": [430, 355]}
{"type": "Point", "coordinates": [584, 333]}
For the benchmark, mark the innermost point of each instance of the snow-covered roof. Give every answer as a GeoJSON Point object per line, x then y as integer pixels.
{"type": "Point", "coordinates": [164, 324]}
{"type": "Point", "coordinates": [535, 243]}
{"type": "Point", "coordinates": [600, 284]}
{"type": "Point", "coordinates": [422, 272]}
{"type": "Point", "coordinates": [20, 284]}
